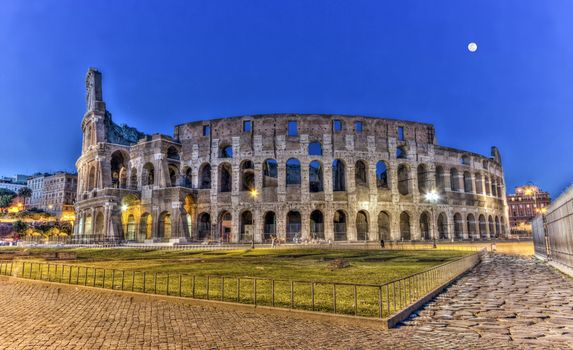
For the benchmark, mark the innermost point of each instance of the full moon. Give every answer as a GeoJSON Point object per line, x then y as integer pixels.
{"type": "Point", "coordinates": [472, 47]}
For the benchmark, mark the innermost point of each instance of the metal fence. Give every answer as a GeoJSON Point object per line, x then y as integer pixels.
{"type": "Point", "coordinates": [553, 235]}
{"type": "Point", "coordinates": [370, 300]}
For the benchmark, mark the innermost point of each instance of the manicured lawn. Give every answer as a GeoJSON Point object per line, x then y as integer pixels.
{"type": "Point", "coordinates": [200, 274]}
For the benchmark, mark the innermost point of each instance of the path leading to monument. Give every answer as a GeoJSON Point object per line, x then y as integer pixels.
{"type": "Point", "coordinates": [504, 294]}
{"type": "Point", "coordinates": [507, 298]}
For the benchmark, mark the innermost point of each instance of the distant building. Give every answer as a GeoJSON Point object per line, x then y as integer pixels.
{"type": "Point", "coordinates": [36, 184]}
{"type": "Point", "coordinates": [524, 205]}
{"type": "Point", "coordinates": [13, 183]}
{"type": "Point", "coordinates": [59, 194]}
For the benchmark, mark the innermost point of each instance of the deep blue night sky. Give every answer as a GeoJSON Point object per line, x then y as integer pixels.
{"type": "Point", "coordinates": [168, 62]}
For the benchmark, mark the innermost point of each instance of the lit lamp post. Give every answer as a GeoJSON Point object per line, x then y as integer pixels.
{"type": "Point", "coordinates": [433, 197]}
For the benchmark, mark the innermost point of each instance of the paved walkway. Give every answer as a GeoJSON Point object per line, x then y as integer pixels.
{"type": "Point", "coordinates": [503, 293]}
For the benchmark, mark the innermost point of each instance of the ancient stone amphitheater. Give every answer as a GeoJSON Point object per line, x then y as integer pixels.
{"type": "Point", "coordinates": [290, 176]}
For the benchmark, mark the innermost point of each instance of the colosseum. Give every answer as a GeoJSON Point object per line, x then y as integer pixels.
{"type": "Point", "coordinates": [289, 176]}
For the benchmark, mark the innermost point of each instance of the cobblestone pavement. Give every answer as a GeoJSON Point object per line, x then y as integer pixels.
{"type": "Point", "coordinates": [37, 316]}
{"type": "Point", "coordinates": [506, 298]}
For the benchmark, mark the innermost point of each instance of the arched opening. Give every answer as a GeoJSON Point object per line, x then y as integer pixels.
{"type": "Point", "coordinates": [487, 185]}
{"type": "Point", "coordinates": [205, 176]}
{"type": "Point", "coordinates": [339, 226]}
{"type": "Point", "coordinates": [293, 226]}
{"type": "Point", "coordinates": [270, 229]}
{"type": "Point", "coordinates": [315, 180]}
{"type": "Point", "coordinates": [316, 225]}
{"type": "Point", "coordinates": [381, 175]}
{"type": "Point", "coordinates": [270, 173]}
{"type": "Point", "coordinates": [225, 178]}
{"type": "Point", "coordinates": [293, 172]}
{"type": "Point", "coordinates": [440, 181]}
{"type": "Point", "coordinates": [145, 227]}
{"type": "Point", "coordinates": [361, 226]}
{"type": "Point", "coordinates": [482, 227]}
{"type": "Point", "coordinates": [401, 153]}
{"type": "Point", "coordinates": [247, 176]}
{"type": "Point", "coordinates": [467, 182]}
{"type": "Point", "coordinates": [442, 226]}
{"type": "Point", "coordinates": [458, 226]}
{"type": "Point", "coordinates": [226, 151]}
{"type": "Point", "coordinates": [405, 232]}
{"type": "Point", "coordinates": [479, 183]}
{"type": "Point", "coordinates": [497, 227]}
{"type": "Point", "coordinates": [425, 226]}
{"type": "Point", "coordinates": [148, 176]}
{"type": "Point", "coordinates": [314, 149]}
{"type": "Point", "coordinates": [92, 178]}
{"type": "Point", "coordinates": [384, 226]}
{"type": "Point", "coordinates": [471, 223]}
{"type": "Point", "coordinates": [118, 170]}
{"type": "Point", "coordinates": [454, 180]}
{"type": "Point", "coordinates": [173, 173]}
{"type": "Point", "coordinates": [338, 176]}
{"type": "Point", "coordinates": [164, 229]}
{"type": "Point", "coordinates": [172, 153]}
{"type": "Point", "coordinates": [465, 160]}
{"type": "Point", "coordinates": [203, 226]}
{"type": "Point", "coordinates": [247, 227]}
{"type": "Point", "coordinates": [423, 179]}
{"type": "Point", "coordinates": [499, 188]}
{"type": "Point", "coordinates": [403, 179]}
{"type": "Point", "coordinates": [225, 226]}
{"type": "Point", "coordinates": [88, 226]}
{"type": "Point", "coordinates": [130, 228]}
{"type": "Point", "coordinates": [491, 226]}
{"type": "Point", "coordinates": [99, 231]}
{"type": "Point", "coordinates": [187, 177]}
{"type": "Point", "coordinates": [493, 187]}
{"type": "Point", "coordinates": [360, 174]}
{"type": "Point", "coordinates": [133, 179]}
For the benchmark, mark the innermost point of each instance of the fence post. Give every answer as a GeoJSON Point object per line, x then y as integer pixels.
{"type": "Point", "coordinates": [179, 285]}
{"type": "Point", "coordinates": [70, 274]}
{"type": "Point", "coordinates": [103, 283]}
{"type": "Point", "coordinates": [238, 289]}
{"type": "Point", "coordinates": [334, 297]}
{"type": "Point", "coordinates": [112, 279]}
{"type": "Point", "coordinates": [222, 288]}
{"type": "Point", "coordinates": [380, 301]}
{"type": "Point", "coordinates": [193, 286]}
{"type": "Point", "coordinates": [208, 282]}
{"type": "Point", "coordinates": [144, 275]}
{"type": "Point", "coordinates": [155, 283]}
{"type": "Point", "coordinates": [273, 292]}
{"type": "Point", "coordinates": [255, 291]}
{"type": "Point", "coordinates": [41, 270]}
{"type": "Point", "coordinates": [122, 278]}
{"type": "Point", "coordinates": [167, 287]}
{"type": "Point", "coordinates": [132, 280]}
{"type": "Point", "coordinates": [292, 294]}
{"type": "Point", "coordinates": [355, 301]}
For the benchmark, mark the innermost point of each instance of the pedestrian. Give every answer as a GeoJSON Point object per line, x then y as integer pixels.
{"type": "Point", "coordinates": [273, 242]}
{"type": "Point", "coordinates": [382, 244]}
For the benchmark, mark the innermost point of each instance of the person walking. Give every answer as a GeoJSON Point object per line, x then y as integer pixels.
{"type": "Point", "coordinates": [381, 244]}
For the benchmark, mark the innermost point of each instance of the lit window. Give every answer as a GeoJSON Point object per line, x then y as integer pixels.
{"type": "Point", "coordinates": [247, 126]}
{"type": "Point", "coordinates": [292, 128]}
{"type": "Point", "coordinates": [337, 125]}
{"type": "Point", "coordinates": [206, 130]}
{"type": "Point", "coordinates": [358, 126]}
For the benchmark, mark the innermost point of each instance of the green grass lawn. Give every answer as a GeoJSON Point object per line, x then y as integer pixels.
{"type": "Point", "coordinates": [227, 274]}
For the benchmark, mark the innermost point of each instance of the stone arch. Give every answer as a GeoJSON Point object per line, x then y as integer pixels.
{"type": "Point", "coordinates": [487, 185]}
{"type": "Point", "coordinates": [405, 229]}
{"type": "Point", "coordinates": [270, 225]}
{"type": "Point", "coordinates": [225, 178]}
{"type": "Point", "coordinates": [293, 226]}
{"type": "Point", "coordinates": [130, 228]}
{"type": "Point", "coordinates": [471, 223]}
{"type": "Point", "coordinates": [225, 151]}
{"type": "Point", "coordinates": [315, 177]}
{"type": "Point", "coordinates": [401, 152]}
{"type": "Point", "coordinates": [442, 226]}
{"type": "Point", "coordinates": [440, 179]}
{"type": "Point", "coordinates": [315, 148]}
{"type": "Point", "coordinates": [173, 174]}
{"type": "Point", "coordinates": [382, 174]}
{"type": "Point", "coordinates": [479, 183]}
{"type": "Point", "coordinates": [205, 176]}
{"type": "Point", "coordinates": [361, 174]}
{"type": "Point", "coordinates": [172, 153]}
{"type": "Point", "coordinates": [246, 229]}
{"type": "Point", "coordinates": [454, 180]}
{"type": "Point", "coordinates": [339, 225]}
{"type": "Point", "coordinates": [423, 179]}
{"type": "Point", "coordinates": [293, 172]}
{"type": "Point", "coordinates": [187, 177]}
{"type": "Point", "coordinates": [458, 226]}
{"type": "Point", "coordinates": [99, 225]}
{"type": "Point", "coordinates": [468, 182]}
{"type": "Point", "coordinates": [482, 227]}
{"type": "Point", "coordinates": [491, 226]}
{"type": "Point", "coordinates": [316, 224]}
{"type": "Point", "coordinates": [270, 173]}
{"type": "Point", "coordinates": [203, 226]}
{"type": "Point", "coordinates": [465, 160]}
{"type": "Point", "coordinates": [362, 226]}
{"type": "Point", "coordinates": [92, 178]}
{"type": "Point", "coordinates": [403, 179]}
{"type": "Point", "coordinates": [384, 226]}
{"type": "Point", "coordinates": [133, 183]}
{"type": "Point", "coordinates": [425, 233]}
{"type": "Point", "coordinates": [225, 226]}
{"type": "Point", "coordinates": [493, 186]}
{"type": "Point", "coordinates": [118, 163]}
{"type": "Point", "coordinates": [497, 227]}
{"type": "Point", "coordinates": [247, 175]}
{"type": "Point", "coordinates": [164, 227]}
{"type": "Point", "coordinates": [338, 176]}
{"type": "Point", "coordinates": [148, 175]}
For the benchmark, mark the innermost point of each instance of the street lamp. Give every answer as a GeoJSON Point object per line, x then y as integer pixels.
{"type": "Point", "coordinates": [433, 197]}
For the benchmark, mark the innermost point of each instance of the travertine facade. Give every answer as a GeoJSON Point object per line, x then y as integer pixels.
{"type": "Point", "coordinates": [297, 177]}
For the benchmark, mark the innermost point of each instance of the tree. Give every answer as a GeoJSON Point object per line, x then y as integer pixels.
{"type": "Point", "coordinates": [25, 192]}
{"type": "Point", "coordinates": [19, 227]}
{"type": "Point", "coordinates": [6, 197]}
